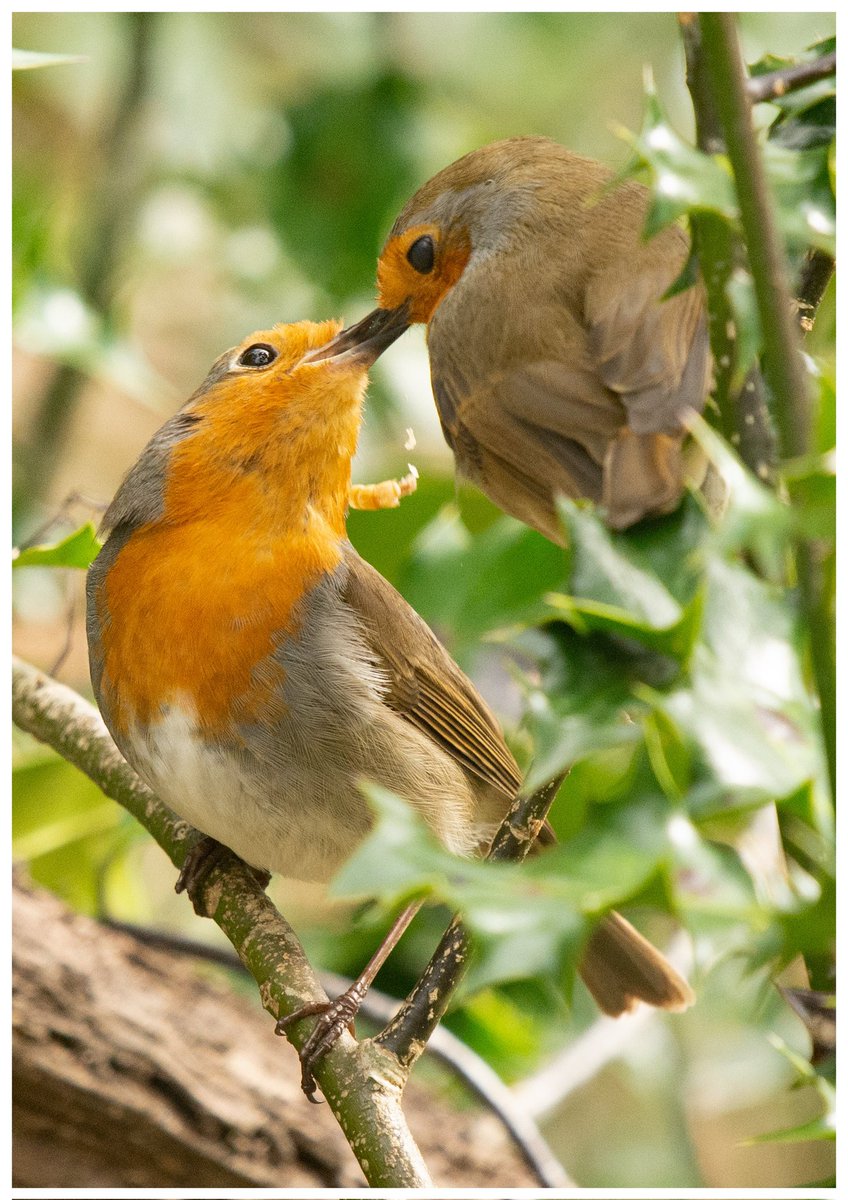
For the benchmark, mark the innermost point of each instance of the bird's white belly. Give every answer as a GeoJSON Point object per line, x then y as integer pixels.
{"type": "Point", "coordinates": [277, 820]}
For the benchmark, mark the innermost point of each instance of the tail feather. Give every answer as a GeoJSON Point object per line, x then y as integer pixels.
{"type": "Point", "coordinates": [620, 967]}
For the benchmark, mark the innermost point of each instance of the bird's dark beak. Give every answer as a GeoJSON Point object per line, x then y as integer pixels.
{"type": "Point", "coordinates": [365, 341]}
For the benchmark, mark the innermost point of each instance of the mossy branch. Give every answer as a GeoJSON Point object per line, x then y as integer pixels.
{"type": "Point", "coordinates": [362, 1082]}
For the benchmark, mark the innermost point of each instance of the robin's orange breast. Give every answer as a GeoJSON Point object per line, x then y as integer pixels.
{"type": "Point", "coordinates": [188, 611]}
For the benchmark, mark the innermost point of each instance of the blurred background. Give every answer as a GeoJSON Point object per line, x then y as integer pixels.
{"type": "Point", "coordinates": [197, 176]}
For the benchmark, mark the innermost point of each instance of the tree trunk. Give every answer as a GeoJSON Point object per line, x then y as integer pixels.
{"type": "Point", "coordinates": [135, 1068]}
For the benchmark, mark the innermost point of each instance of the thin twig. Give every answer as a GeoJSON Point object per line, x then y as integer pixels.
{"type": "Point", "coordinates": [789, 79]}
{"type": "Point", "coordinates": [362, 1082]}
{"type": "Point", "coordinates": [67, 644]}
{"type": "Point", "coordinates": [816, 274]}
{"type": "Point", "coordinates": [407, 1034]}
{"type": "Point", "coordinates": [782, 362]}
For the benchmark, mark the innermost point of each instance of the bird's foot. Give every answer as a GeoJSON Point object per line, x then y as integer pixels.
{"type": "Point", "coordinates": [334, 1017]}
{"type": "Point", "coordinates": [203, 857]}
{"type": "Point", "coordinates": [387, 494]}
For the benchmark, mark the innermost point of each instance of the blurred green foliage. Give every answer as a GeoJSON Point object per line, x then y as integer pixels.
{"type": "Point", "coordinates": [258, 164]}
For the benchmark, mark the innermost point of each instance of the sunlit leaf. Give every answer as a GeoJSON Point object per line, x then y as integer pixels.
{"type": "Point", "coordinates": [31, 60]}
{"type": "Point", "coordinates": [820, 1128]}
{"type": "Point", "coordinates": [712, 887]}
{"type": "Point", "coordinates": [806, 205]}
{"type": "Point", "coordinates": [66, 830]}
{"type": "Point", "coordinates": [79, 549]}
{"type": "Point", "coordinates": [746, 707]}
{"type": "Point", "coordinates": [682, 178]}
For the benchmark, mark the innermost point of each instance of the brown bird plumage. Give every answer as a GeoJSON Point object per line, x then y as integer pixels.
{"type": "Point", "coordinates": [254, 669]}
{"type": "Point", "coordinates": [557, 366]}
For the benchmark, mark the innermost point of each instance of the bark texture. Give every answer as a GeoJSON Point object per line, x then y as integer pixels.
{"type": "Point", "coordinates": [134, 1068]}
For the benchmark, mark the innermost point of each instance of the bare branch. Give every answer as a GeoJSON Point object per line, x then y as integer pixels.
{"type": "Point", "coordinates": [815, 275]}
{"type": "Point", "coordinates": [406, 1036]}
{"type": "Point", "coordinates": [790, 79]}
{"type": "Point", "coordinates": [379, 1008]}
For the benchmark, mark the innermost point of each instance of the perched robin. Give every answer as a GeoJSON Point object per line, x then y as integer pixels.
{"type": "Point", "coordinates": [253, 668]}
{"type": "Point", "coordinates": [557, 365]}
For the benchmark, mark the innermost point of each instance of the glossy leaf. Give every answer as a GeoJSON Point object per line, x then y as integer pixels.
{"type": "Point", "coordinates": [682, 178]}
{"type": "Point", "coordinates": [613, 590]}
{"type": "Point", "coordinates": [79, 549]}
{"type": "Point", "coordinates": [467, 586]}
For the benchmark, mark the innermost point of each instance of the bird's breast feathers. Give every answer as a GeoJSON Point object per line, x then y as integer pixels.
{"type": "Point", "coordinates": [259, 732]}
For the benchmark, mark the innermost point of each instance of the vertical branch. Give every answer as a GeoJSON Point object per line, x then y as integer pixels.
{"type": "Point", "coordinates": [782, 363]}
{"type": "Point", "coordinates": [744, 417]}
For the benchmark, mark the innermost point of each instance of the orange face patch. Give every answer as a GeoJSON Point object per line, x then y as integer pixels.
{"type": "Point", "coordinates": [398, 281]}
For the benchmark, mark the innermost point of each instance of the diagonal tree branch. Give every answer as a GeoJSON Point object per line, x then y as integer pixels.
{"type": "Point", "coordinates": [362, 1082]}
{"type": "Point", "coordinates": [406, 1035]}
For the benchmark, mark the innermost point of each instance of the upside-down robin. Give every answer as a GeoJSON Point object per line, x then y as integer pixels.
{"type": "Point", "coordinates": [557, 365]}
{"type": "Point", "coordinates": [254, 669]}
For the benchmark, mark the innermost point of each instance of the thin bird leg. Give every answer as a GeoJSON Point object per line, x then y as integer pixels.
{"type": "Point", "coordinates": [387, 494]}
{"type": "Point", "coordinates": [334, 1016]}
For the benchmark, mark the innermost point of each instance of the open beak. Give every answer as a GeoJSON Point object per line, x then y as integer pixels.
{"type": "Point", "coordinates": [365, 341]}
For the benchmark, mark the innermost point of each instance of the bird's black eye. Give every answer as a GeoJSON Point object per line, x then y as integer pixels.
{"type": "Point", "coordinates": [260, 355]}
{"type": "Point", "coordinates": [422, 254]}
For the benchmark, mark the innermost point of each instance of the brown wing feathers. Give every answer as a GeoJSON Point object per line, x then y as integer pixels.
{"type": "Point", "coordinates": [426, 687]}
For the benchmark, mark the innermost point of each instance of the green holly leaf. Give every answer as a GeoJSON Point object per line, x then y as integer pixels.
{"type": "Point", "coordinates": [625, 584]}
{"type": "Point", "coordinates": [682, 178]}
{"type": "Point", "coordinates": [821, 1128]}
{"type": "Point", "coordinates": [754, 520]}
{"type": "Point", "coordinates": [578, 699]}
{"type": "Point", "coordinates": [467, 586]}
{"type": "Point", "coordinates": [79, 549]}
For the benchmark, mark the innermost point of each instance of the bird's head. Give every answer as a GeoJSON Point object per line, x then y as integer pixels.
{"type": "Point", "coordinates": [477, 206]}
{"type": "Point", "coordinates": [275, 422]}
